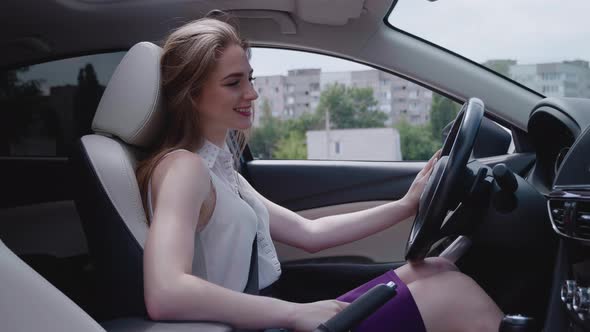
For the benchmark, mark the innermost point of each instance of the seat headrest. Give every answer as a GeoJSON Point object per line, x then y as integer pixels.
{"type": "Point", "coordinates": [130, 106]}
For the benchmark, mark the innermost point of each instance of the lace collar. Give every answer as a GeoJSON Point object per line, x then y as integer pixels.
{"type": "Point", "coordinates": [221, 162]}
{"type": "Point", "coordinates": [212, 153]}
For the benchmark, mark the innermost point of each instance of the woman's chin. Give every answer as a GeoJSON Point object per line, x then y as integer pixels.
{"type": "Point", "coordinates": [243, 125]}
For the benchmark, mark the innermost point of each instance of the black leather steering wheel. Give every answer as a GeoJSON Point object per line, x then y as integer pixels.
{"type": "Point", "coordinates": [444, 188]}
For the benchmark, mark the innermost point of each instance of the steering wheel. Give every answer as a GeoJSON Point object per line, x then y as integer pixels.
{"type": "Point", "coordinates": [443, 189]}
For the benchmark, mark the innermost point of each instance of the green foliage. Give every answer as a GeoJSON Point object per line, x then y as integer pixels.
{"type": "Point", "coordinates": [304, 123]}
{"type": "Point", "coordinates": [86, 99]}
{"type": "Point", "coordinates": [350, 107]}
{"type": "Point", "coordinates": [291, 147]}
{"type": "Point", "coordinates": [442, 112]}
{"type": "Point", "coordinates": [420, 142]}
{"type": "Point", "coordinates": [416, 141]}
{"type": "Point", "coordinates": [18, 101]}
{"type": "Point", "coordinates": [263, 139]}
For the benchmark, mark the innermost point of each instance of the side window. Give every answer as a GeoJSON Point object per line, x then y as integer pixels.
{"type": "Point", "coordinates": [318, 107]}
{"type": "Point", "coordinates": [45, 107]}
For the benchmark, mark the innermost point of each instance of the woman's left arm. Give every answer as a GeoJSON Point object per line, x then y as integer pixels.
{"type": "Point", "coordinates": [314, 235]}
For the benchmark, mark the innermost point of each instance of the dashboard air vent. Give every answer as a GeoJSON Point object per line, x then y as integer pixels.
{"type": "Point", "coordinates": [571, 218]}
{"type": "Point", "coordinates": [556, 208]}
{"type": "Point", "coordinates": [582, 216]}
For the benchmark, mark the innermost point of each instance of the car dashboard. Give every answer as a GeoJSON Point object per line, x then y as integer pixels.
{"type": "Point", "coordinates": [559, 130]}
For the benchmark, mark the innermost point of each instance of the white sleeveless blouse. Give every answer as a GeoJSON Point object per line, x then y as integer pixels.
{"type": "Point", "coordinates": [224, 247]}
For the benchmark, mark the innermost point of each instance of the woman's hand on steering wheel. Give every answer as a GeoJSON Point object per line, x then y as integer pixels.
{"type": "Point", "coordinates": [412, 197]}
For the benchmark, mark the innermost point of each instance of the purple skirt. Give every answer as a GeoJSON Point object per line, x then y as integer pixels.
{"type": "Point", "coordinates": [399, 314]}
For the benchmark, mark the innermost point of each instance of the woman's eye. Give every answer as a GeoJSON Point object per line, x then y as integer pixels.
{"type": "Point", "coordinates": [233, 83]}
{"type": "Point", "coordinates": [251, 78]}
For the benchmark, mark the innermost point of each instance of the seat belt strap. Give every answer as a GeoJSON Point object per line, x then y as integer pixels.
{"type": "Point", "coordinates": [252, 283]}
{"type": "Point", "coordinates": [252, 286]}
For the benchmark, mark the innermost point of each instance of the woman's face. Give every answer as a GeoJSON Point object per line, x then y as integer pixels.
{"type": "Point", "coordinates": [226, 99]}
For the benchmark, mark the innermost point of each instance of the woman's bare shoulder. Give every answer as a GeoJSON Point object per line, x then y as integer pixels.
{"type": "Point", "coordinates": [182, 170]}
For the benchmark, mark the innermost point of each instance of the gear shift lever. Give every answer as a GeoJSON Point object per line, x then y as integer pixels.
{"type": "Point", "coordinates": [518, 323]}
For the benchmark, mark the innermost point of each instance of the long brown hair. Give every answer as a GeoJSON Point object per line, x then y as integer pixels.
{"type": "Point", "coordinates": [189, 55]}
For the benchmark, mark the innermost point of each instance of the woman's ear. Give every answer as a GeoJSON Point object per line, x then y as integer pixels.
{"type": "Point", "coordinates": [195, 102]}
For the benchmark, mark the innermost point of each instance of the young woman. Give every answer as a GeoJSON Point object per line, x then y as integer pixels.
{"type": "Point", "coordinates": [204, 216]}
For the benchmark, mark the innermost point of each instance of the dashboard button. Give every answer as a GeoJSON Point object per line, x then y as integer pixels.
{"type": "Point", "coordinates": [581, 301]}
{"type": "Point", "coordinates": [567, 291]}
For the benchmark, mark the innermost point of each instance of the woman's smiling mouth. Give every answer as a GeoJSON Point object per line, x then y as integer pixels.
{"type": "Point", "coordinates": [245, 111]}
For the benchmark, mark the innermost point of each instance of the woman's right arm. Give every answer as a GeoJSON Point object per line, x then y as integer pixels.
{"type": "Point", "coordinates": [180, 185]}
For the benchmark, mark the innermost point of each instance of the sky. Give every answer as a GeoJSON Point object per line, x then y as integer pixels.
{"type": "Point", "coordinates": [278, 62]}
{"type": "Point", "coordinates": [529, 31]}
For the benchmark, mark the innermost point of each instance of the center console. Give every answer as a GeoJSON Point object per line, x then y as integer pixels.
{"type": "Point", "coordinates": [569, 209]}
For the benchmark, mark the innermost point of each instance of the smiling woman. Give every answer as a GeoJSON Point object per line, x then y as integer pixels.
{"type": "Point", "coordinates": [206, 220]}
{"type": "Point", "coordinates": [547, 48]}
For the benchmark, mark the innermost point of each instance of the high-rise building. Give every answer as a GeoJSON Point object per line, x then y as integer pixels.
{"type": "Point", "coordinates": [303, 91]}
{"type": "Point", "coordinates": [288, 96]}
{"type": "Point", "coordinates": [380, 83]}
{"type": "Point", "coordinates": [410, 101]}
{"type": "Point", "coordinates": [395, 96]}
{"type": "Point", "coordinates": [555, 79]}
{"type": "Point", "coordinates": [299, 92]}
{"type": "Point", "coordinates": [271, 90]}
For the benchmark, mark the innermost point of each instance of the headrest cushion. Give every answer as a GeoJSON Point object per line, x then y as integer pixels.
{"type": "Point", "coordinates": [130, 106]}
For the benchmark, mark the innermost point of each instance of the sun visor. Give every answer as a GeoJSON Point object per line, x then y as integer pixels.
{"type": "Point", "coordinates": [323, 11]}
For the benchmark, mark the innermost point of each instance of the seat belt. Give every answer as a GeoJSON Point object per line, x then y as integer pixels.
{"type": "Point", "coordinates": [252, 286]}
{"type": "Point", "coordinates": [252, 283]}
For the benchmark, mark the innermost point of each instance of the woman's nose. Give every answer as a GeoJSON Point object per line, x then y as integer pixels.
{"type": "Point", "coordinates": [251, 93]}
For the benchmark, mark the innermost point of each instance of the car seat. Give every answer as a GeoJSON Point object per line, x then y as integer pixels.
{"type": "Point", "coordinates": [108, 200]}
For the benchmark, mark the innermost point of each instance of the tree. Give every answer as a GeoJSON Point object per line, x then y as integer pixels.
{"type": "Point", "coordinates": [350, 107]}
{"type": "Point", "coordinates": [442, 112]}
{"type": "Point", "coordinates": [293, 146]}
{"type": "Point", "coordinates": [18, 100]}
{"type": "Point", "coordinates": [304, 123]}
{"type": "Point", "coordinates": [416, 141]}
{"type": "Point", "coordinates": [86, 99]}
{"type": "Point", "coordinates": [265, 137]}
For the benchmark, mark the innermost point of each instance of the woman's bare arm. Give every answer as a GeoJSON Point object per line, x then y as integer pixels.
{"type": "Point", "coordinates": [180, 185]}
{"type": "Point", "coordinates": [315, 235]}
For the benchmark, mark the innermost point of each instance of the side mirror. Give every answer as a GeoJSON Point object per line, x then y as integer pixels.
{"type": "Point", "coordinates": [492, 139]}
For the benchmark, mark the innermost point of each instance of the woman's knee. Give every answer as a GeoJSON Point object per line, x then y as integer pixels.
{"type": "Point", "coordinates": [452, 301]}
{"type": "Point", "coordinates": [441, 264]}
{"type": "Point", "coordinates": [425, 269]}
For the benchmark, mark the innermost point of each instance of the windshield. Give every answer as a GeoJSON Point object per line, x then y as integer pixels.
{"type": "Point", "coordinates": [542, 44]}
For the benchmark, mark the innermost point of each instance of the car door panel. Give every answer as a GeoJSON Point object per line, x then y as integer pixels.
{"type": "Point", "coordinates": [315, 189]}
{"type": "Point", "coordinates": [37, 212]}
{"type": "Point", "coordinates": [386, 246]}
{"type": "Point", "coordinates": [300, 185]}
{"type": "Point", "coordinates": [32, 180]}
